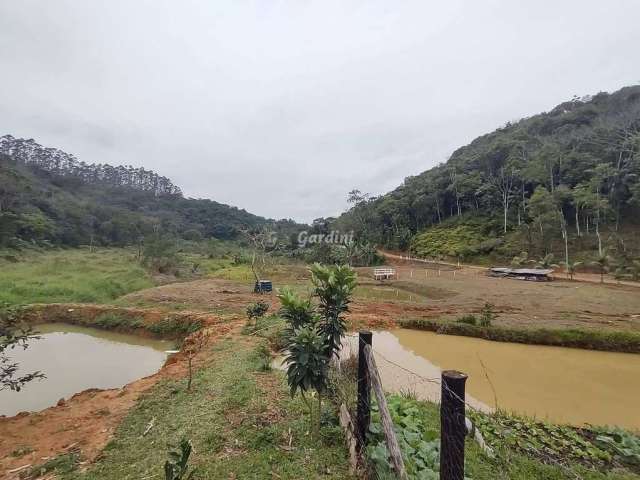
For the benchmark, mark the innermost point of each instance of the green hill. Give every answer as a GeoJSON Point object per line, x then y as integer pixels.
{"type": "Point", "coordinates": [48, 196]}
{"type": "Point", "coordinates": [573, 170]}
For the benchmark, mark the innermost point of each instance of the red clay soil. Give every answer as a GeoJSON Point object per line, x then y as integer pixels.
{"type": "Point", "coordinates": [233, 297]}
{"type": "Point", "coordinates": [87, 421]}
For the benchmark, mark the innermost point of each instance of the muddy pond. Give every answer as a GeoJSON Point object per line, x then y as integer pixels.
{"type": "Point", "coordinates": [563, 385]}
{"type": "Point", "coordinates": [75, 358]}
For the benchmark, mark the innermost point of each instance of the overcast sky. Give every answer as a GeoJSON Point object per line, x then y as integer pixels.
{"type": "Point", "coordinates": [281, 108]}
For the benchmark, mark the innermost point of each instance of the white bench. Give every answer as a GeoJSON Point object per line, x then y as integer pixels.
{"type": "Point", "coordinates": [384, 273]}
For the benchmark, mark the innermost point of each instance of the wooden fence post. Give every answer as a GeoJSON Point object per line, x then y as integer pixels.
{"type": "Point", "coordinates": [363, 416]}
{"type": "Point", "coordinates": [385, 416]}
{"type": "Point", "coordinates": [452, 425]}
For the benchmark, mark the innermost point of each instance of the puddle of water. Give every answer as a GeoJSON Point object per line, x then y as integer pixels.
{"type": "Point", "coordinates": [76, 358]}
{"type": "Point", "coordinates": [564, 385]}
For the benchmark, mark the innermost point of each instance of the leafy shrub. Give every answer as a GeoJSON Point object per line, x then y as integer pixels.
{"type": "Point", "coordinates": [160, 253]}
{"type": "Point", "coordinates": [239, 259]}
{"type": "Point", "coordinates": [468, 319]}
{"type": "Point", "coordinates": [257, 310]}
{"type": "Point", "coordinates": [263, 355]}
{"type": "Point", "coordinates": [623, 445]}
{"type": "Point", "coordinates": [278, 338]}
{"type": "Point", "coordinates": [62, 464]}
{"type": "Point", "coordinates": [487, 315]}
{"type": "Point", "coordinates": [172, 326]}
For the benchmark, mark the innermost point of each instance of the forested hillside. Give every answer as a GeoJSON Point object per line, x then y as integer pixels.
{"type": "Point", "coordinates": [573, 173]}
{"type": "Point", "coordinates": [47, 195]}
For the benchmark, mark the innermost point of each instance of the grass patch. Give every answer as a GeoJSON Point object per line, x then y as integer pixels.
{"type": "Point", "coordinates": [77, 275]}
{"type": "Point", "coordinates": [240, 421]}
{"type": "Point", "coordinates": [60, 465]}
{"type": "Point", "coordinates": [626, 342]}
{"type": "Point", "coordinates": [174, 327]}
{"type": "Point", "coordinates": [114, 321]}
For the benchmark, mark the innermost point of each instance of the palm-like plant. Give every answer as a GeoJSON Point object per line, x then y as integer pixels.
{"type": "Point", "coordinates": [546, 262]}
{"type": "Point", "coordinates": [602, 262]}
{"type": "Point", "coordinates": [571, 267]}
{"type": "Point", "coordinates": [520, 260]}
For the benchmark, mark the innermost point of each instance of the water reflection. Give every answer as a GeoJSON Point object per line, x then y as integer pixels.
{"type": "Point", "coordinates": [75, 358]}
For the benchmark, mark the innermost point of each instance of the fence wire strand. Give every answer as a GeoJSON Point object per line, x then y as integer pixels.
{"type": "Point", "coordinates": [543, 456]}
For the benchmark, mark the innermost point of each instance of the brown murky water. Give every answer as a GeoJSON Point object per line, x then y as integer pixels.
{"type": "Point", "coordinates": [563, 385]}
{"type": "Point", "coordinates": [76, 358]}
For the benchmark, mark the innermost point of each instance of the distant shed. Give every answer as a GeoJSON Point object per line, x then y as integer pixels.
{"type": "Point", "coordinates": [532, 274]}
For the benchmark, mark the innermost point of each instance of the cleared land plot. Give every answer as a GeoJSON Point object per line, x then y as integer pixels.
{"type": "Point", "coordinates": [557, 304]}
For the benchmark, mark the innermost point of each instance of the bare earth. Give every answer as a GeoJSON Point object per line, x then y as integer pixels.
{"type": "Point", "coordinates": [558, 304]}
{"type": "Point", "coordinates": [445, 294]}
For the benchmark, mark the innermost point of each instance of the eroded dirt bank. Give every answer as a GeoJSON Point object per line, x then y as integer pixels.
{"type": "Point", "coordinates": [85, 422]}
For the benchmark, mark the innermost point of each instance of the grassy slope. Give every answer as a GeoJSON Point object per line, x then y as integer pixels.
{"type": "Point", "coordinates": [239, 420]}
{"type": "Point", "coordinates": [71, 276]}
{"type": "Point", "coordinates": [480, 241]}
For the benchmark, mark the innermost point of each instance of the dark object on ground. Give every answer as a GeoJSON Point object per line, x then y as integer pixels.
{"type": "Point", "coordinates": [263, 286]}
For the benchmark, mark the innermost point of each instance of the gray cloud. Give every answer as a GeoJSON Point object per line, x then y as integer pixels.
{"type": "Point", "coordinates": [283, 107]}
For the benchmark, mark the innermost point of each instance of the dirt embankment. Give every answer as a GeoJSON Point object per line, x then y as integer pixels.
{"type": "Point", "coordinates": [85, 422]}
{"type": "Point", "coordinates": [137, 320]}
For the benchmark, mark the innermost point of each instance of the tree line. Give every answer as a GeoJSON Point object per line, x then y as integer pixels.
{"type": "Point", "coordinates": [53, 160]}
{"type": "Point", "coordinates": [570, 172]}
{"type": "Point", "coordinates": [49, 197]}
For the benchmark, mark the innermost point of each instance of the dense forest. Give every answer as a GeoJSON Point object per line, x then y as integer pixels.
{"type": "Point", "coordinates": [48, 196]}
{"type": "Point", "coordinates": [572, 173]}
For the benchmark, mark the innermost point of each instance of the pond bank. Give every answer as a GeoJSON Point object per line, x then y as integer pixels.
{"type": "Point", "coordinates": [610, 341]}
{"type": "Point", "coordinates": [86, 421]}
{"type": "Point", "coordinates": [139, 321]}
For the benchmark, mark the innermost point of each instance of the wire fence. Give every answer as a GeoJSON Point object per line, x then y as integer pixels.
{"type": "Point", "coordinates": [455, 424]}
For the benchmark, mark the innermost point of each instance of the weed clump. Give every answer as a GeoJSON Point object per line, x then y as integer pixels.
{"type": "Point", "coordinates": [172, 326]}
{"type": "Point", "coordinates": [62, 464]}
{"type": "Point", "coordinates": [255, 311]}
{"type": "Point", "coordinates": [487, 315]}
{"type": "Point", "coordinates": [115, 321]}
{"type": "Point", "coordinates": [468, 319]}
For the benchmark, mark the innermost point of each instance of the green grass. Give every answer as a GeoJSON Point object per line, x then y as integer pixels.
{"type": "Point", "coordinates": [240, 421]}
{"type": "Point", "coordinates": [114, 321]}
{"type": "Point", "coordinates": [61, 464]}
{"type": "Point", "coordinates": [626, 342]}
{"type": "Point", "coordinates": [172, 326]}
{"type": "Point", "coordinates": [71, 276]}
